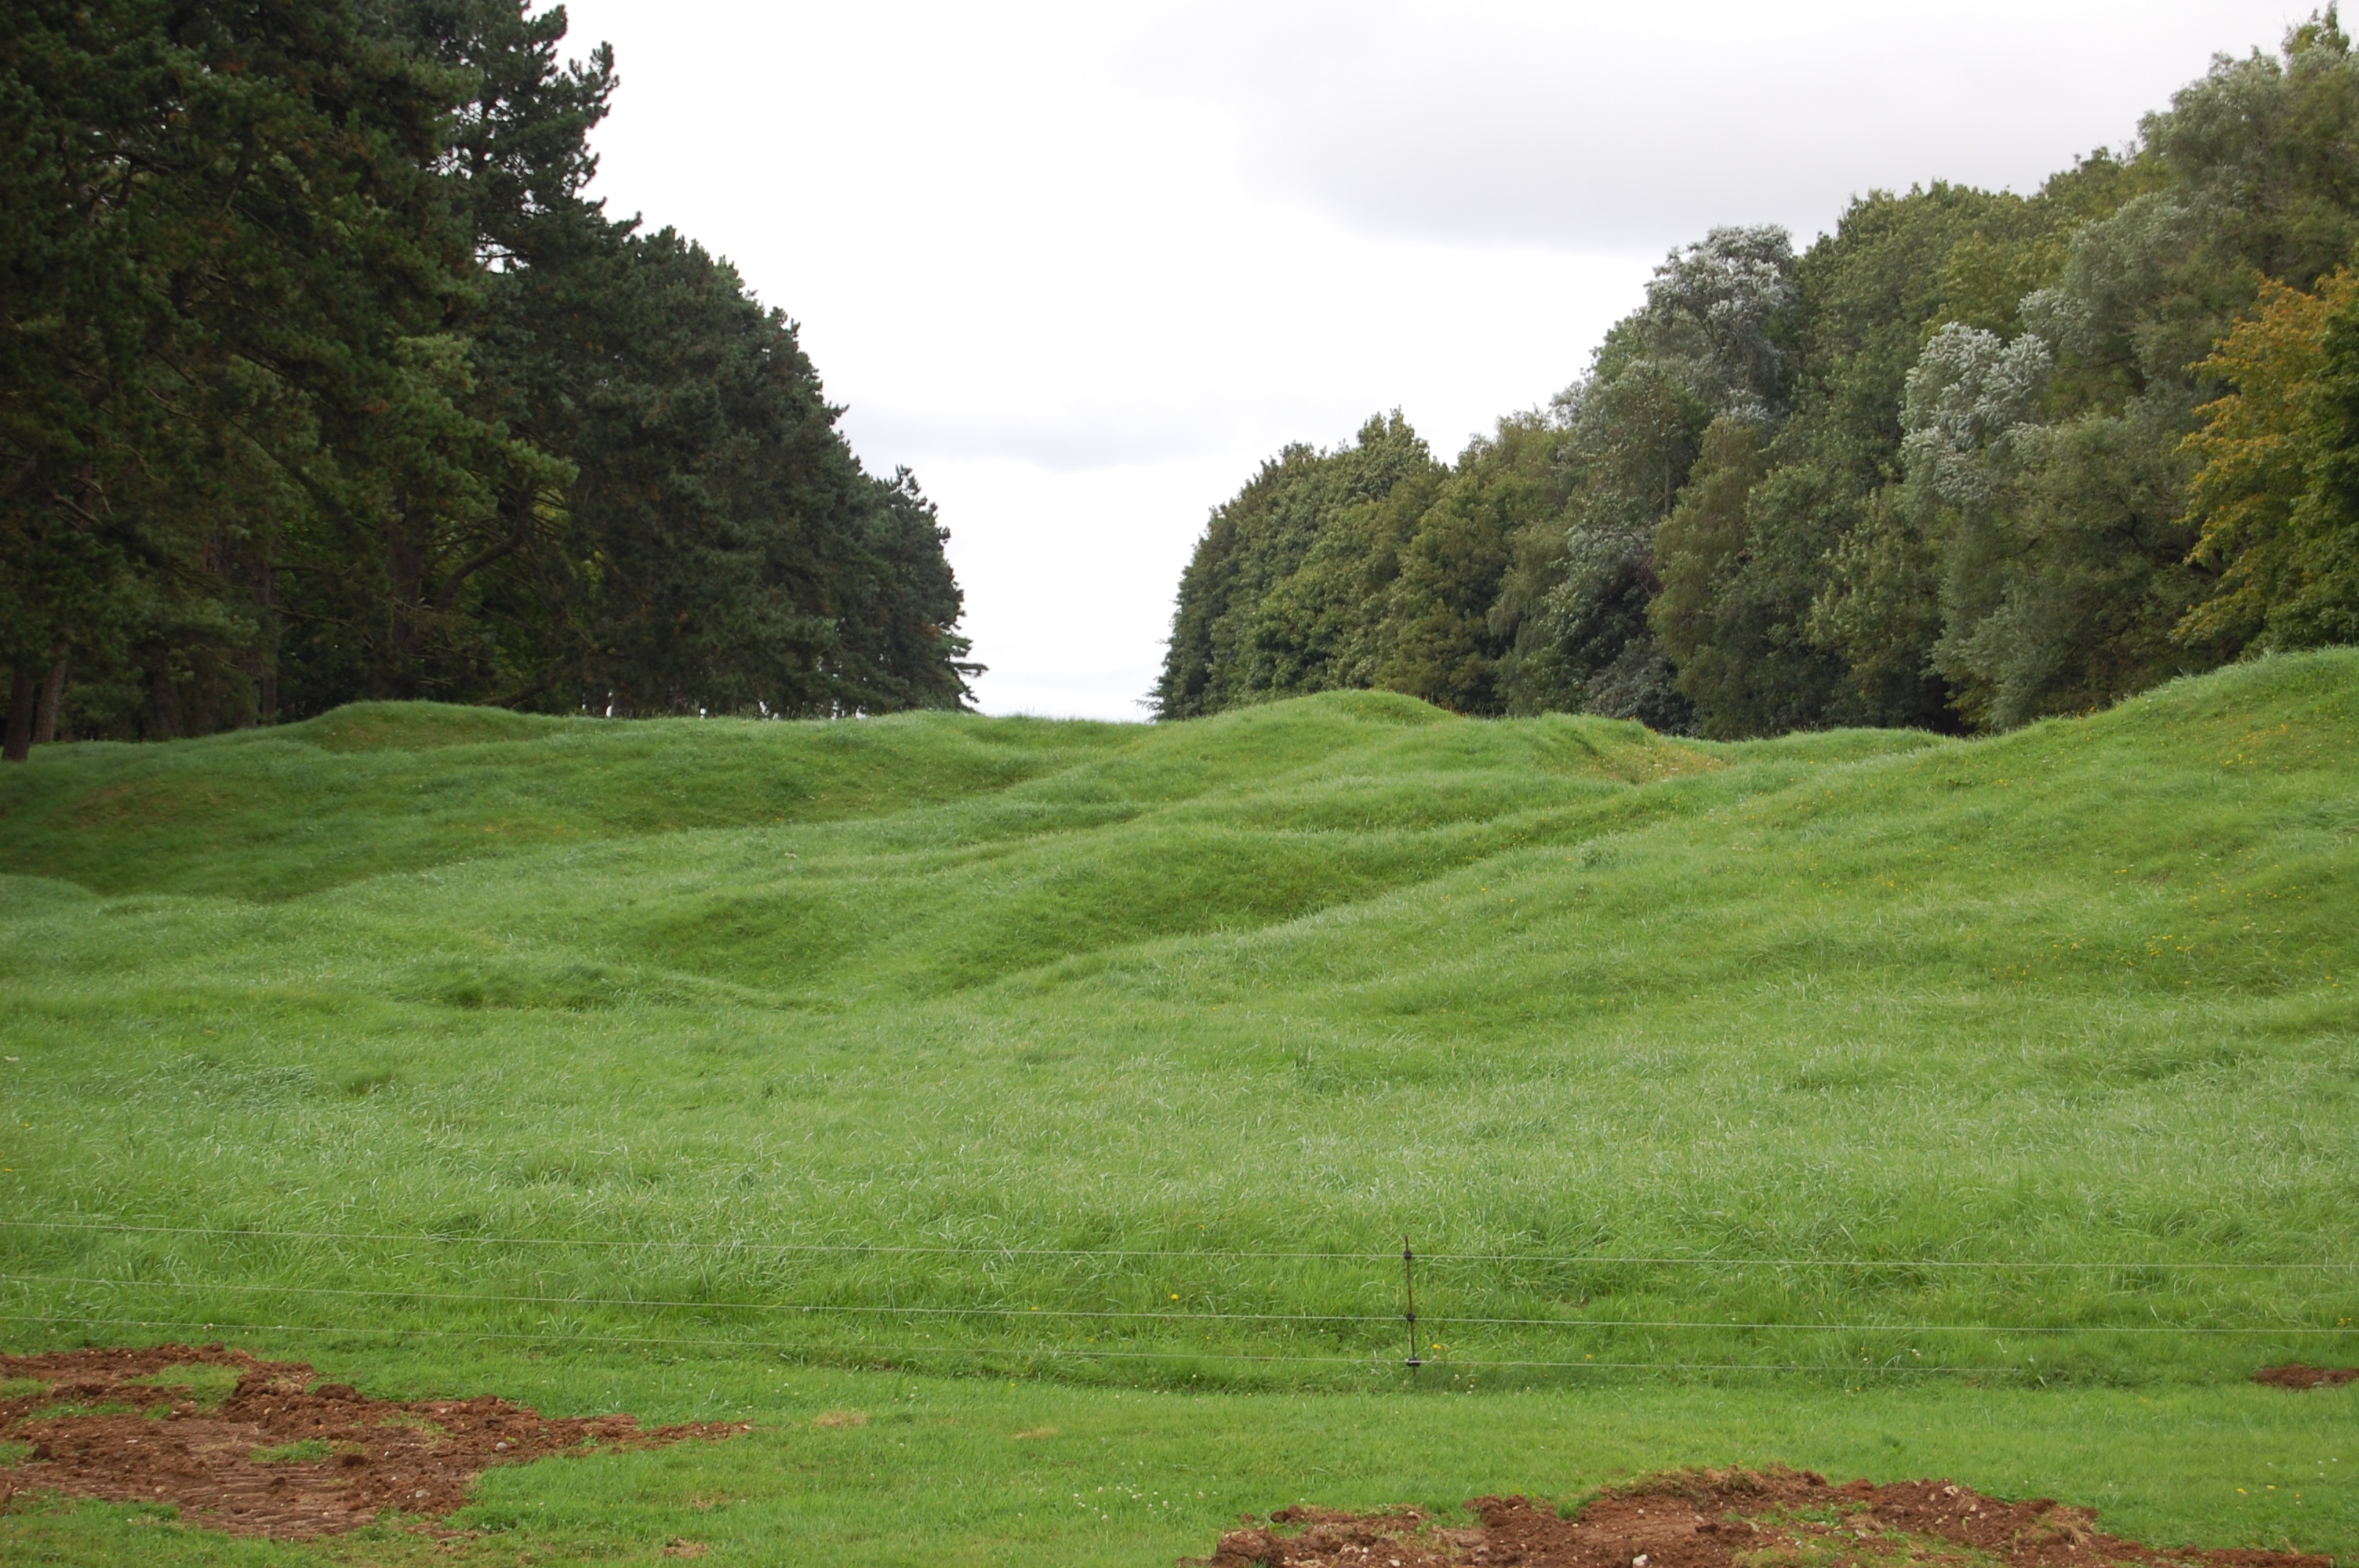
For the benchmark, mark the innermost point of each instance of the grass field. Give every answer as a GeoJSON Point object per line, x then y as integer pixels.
{"type": "Point", "coordinates": [1858, 1099]}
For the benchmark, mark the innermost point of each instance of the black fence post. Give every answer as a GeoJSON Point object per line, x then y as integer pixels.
{"type": "Point", "coordinates": [1409, 1293]}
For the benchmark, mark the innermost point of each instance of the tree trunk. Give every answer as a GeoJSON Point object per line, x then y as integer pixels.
{"type": "Point", "coordinates": [164, 696]}
{"type": "Point", "coordinates": [405, 576]}
{"type": "Point", "coordinates": [44, 711]}
{"type": "Point", "coordinates": [17, 745]}
{"type": "Point", "coordinates": [266, 682]}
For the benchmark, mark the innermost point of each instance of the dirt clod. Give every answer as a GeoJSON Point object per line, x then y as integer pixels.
{"type": "Point", "coordinates": [114, 1425]}
{"type": "Point", "coordinates": [1720, 1518]}
{"type": "Point", "coordinates": [2298, 1376]}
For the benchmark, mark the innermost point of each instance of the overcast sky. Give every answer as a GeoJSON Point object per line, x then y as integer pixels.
{"type": "Point", "coordinates": [1083, 268]}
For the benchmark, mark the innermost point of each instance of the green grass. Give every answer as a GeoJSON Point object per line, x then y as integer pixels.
{"type": "Point", "coordinates": [208, 1385]}
{"type": "Point", "coordinates": [303, 1451]}
{"type": "Point", "coordinates": [968, 1470]}
{"type": "Point", "coordinates": [1125, 1058]}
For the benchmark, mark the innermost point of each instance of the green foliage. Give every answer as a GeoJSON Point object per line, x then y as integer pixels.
{"type": "Point", "coordinates": [1322, 517]}
{"type": "Point", "coordinates": [320, 380]}
{"type": "Point", "coordinates": [1713, 341]}
{"type": "Point", "coordinates": [1439, 640]}
{"type": "Point", "coordinates": [721, 547]}
{"type": "Point", "coordinates": [1866, 552]}
{"type": "Point", "coordinates": [227, 278]}
{"type": "Point", "coordinates": [2324, 608]}
{"type": "Point", "coordinates": [2277, 496]}
{"type": "Point", "coordinates": [2263, 147]}
{"type": "Point", "coordinates": [2258, 447]}
{"type": "Point", "coordinates": [2063, 593]}
{"type": "Point", "coordinates": [1728, 605]}
{"type": "Point", "coordinates": [1837, 593]}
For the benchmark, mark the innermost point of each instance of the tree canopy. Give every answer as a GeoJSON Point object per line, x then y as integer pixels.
{"type": "Point", "coordinates": [1968, 459]}
{"type": "Point", "coordinates": [322, 379]}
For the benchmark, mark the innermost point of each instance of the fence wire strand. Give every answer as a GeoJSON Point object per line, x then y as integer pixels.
{"type": "Point", "coordinates": [1172, 1254]}
{"type": "Point", "coordinates": [1050, 1353]}
{"type": "Point", "coordinates": [1387, 1320]}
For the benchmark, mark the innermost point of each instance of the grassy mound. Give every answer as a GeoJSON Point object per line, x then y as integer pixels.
{"type": "Point", "coordinates": [1134, 1053]}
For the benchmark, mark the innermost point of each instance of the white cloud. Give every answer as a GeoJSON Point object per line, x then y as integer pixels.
{"type": "Point", "coordinates": [1599, 125]}
{"type": "Point", "coordinates": [1083, 267]}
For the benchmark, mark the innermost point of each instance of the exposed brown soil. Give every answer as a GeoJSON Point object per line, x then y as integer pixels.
{"type": "Point", "coordinates": [1725, 1518]}
{"type": "Point", "coordinates": [103, 1423]}
{"type": "Point", "coordinates": [2300, 1377]}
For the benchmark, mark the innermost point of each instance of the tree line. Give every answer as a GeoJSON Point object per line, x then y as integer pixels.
{"type": "Point", "coordinates": [321, 379]}
{"type": "Point", "coordinates": [1971, 459]}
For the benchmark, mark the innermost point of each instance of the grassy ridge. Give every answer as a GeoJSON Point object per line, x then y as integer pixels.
{"type": "Point", "coordinates": [2035, 1055]}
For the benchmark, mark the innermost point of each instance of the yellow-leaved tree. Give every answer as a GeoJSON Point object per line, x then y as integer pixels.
{"type": "Point", "coordinates": [2264, 446]}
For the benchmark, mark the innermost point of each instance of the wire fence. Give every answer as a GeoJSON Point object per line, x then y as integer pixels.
{"type": "Point", "coordinates": [2124, 1265]}
{"type": "Point", "coordinates": [1383, 1319]}
{"type": "Point", "coordinates": [1023, 1353]}
{"type": "Point", "coordinates": [1124, 1321]}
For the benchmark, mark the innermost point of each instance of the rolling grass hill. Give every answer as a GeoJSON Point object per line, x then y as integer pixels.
{"type": "Point", "coordinates": [1126, 1057]}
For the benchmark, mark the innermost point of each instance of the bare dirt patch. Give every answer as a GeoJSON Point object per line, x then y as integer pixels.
{"type": "Point", "coordinates": [277, 1451]}
{"type": "Point", "coordinates": [1725, 1519]}
{"type": "Point", "coordinates": [2298, 1376]}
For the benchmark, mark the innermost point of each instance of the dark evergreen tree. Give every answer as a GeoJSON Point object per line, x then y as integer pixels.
{"type": "Point", "coordinates": [320, 379]}
{"type": "Point", "coordinates": [228, 270]}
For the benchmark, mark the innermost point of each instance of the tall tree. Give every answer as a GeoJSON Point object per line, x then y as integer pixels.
{"type": "Point", "coordinates": [1713, 340]}
{"type": "Point", "coordinates": [320, 379]}
{"type": "Point", "coordinates": [2278, 496]}
{"type": "Point", "coordinates": [1244, 629]}
{"type": "Point", "coordinates": [227, 265]}
{"type": "Point", "coordinates": [1963, 463]}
